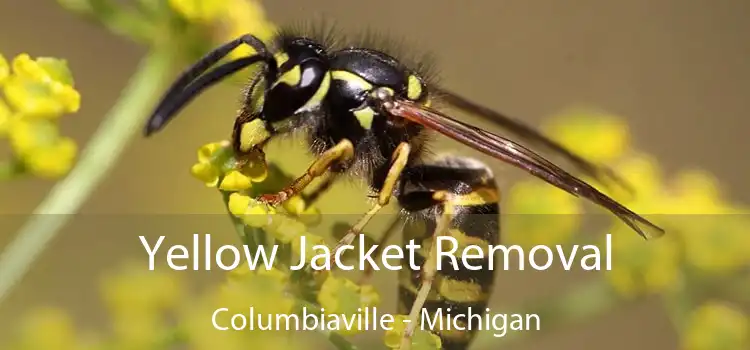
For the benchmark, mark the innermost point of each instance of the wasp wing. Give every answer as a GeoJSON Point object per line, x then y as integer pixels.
{"type": "Point", "coordinates": [519, 156]}
{"type": "Point", "coordinates": [529, 134]}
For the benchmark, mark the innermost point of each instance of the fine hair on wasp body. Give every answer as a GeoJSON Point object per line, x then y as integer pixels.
{"type": "Point", "coordinates": [366, 113]}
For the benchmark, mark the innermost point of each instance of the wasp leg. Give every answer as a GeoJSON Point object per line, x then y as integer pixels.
{"type": "Point", "coordinates": [323, 187]}
{"type": "Point", "coordinates": [456, 199]}
{"type": "Point", "coordinates": [429, 269]}
{"type": "Point", "coordinates": [398, 163]}
{"type": "Point", "coordinates": [341, 152]}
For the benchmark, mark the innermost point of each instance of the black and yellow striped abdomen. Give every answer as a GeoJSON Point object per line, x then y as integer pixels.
{"type": "Point", "coordinates": [473, 199]}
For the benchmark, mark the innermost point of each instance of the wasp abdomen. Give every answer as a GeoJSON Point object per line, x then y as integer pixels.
{"type": "Point", "coordinates": [462, 286]}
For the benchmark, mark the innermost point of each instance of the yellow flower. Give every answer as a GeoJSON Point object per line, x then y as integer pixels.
{"type": "Point", "coordinates": [311, 240]}
{"type": "Point", "coordinates": [41, 148]}
{"type": "Point", "coordinates": [238, 204]}
{"type": "Point", "coordinates": [643, 267]}
{"type": "Point", "coordinates": [44, 69]}
{"type": "Point", "coordinates": [207, 152]}
{"type": "Point", "coordinates": [6, 116]}
{"type": "Point", "coordinates": [294, 205]}
{"type": "Point", "coordinates": [286, 229]}
{"type": "Point", "coordinates": [137, 300]}
{"type": "Point", "coordinates": [56, 326]}
{"type": "Point", "coordinates": [235, 181]}
{"type": "Point", "coordinates": [244, 17]}
{"type": "Point", "coordinates": [28, 135]}
{"type": "Point", "coordinates": [697, 193]}
{"type": "Point", "coordinates": [205, 172]}
{"type": "Point", "coordinates": [264, 291]}
{"type": "Point", "coordinates": [421, 339]}
{"type": "Point", "coordinates": [215, 161]}
{"type": "Point", "coordinates": [134, 289]}
{"type": "Point", "coordinates": [339, 295]}
{"type": "Point", "coordinates": [42, 87]}
{"type": "Point", "coordinates": [201, 11]}
{"type": "Point", "coordinates": [713, 233]}
{"type": "Point", "coordinates": [252, 212]}
{"type": "Point", "coordinates": [541, 214]}
{"type": "Point", "coordinates": [52, 161]}
{"type": "Point", "coordinates": [721, 243]}
{"type": "Point", "coordinates": [716, 326]}
{"type": "Point", "coordinates": [596, 136]}
{"type": "Point", "coordinates": [643, 173]}
{"type": "Point", "coordinates": [256, 214]}
{"type": "Point", "coordinates": [4, 69]}
{"type": "Point", "coordinates": [298, 207]}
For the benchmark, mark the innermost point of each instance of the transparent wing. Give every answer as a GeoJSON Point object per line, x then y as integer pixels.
{"type": "Point", "coordinates": [519, 156]}
{"type": "Point", "coordinates": [529, 134]}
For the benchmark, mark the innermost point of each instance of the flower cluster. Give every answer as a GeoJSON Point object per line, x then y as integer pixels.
{"type": "Point", "coordinates": [241, 181]}
{"type": "Point", "coordinates": [231, 18]}
{"type": "Point", "coordinates": [717, 325]}
{"type": "Point", "coordinates": [37, 92]}
{"type": "Point", "coordinates": [706, 234]}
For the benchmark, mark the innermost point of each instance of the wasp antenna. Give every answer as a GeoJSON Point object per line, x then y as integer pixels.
{"type": "Point", "coordinates": [170, 107]}
{"type": "Point", "coordinates": [190, 82]}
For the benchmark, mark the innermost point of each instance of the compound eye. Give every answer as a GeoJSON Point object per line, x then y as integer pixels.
{"type": "Point", "coordinates": [416, 90]}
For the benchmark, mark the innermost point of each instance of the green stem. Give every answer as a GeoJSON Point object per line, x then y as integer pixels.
{"type": "Point", "coordinates": [107, 144]}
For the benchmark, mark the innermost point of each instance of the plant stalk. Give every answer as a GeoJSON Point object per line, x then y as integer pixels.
{"type": "Point", "coordinates": [119, 127]}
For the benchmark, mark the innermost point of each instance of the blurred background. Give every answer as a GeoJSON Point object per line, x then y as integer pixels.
{"type": "Point", "coordinates": [675, 71]}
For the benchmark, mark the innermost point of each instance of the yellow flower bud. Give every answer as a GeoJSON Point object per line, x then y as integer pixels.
{"type": "Point", "coordinates": [238, 274]}
{"type": "Point", "coordinates": [310, 217]}
{"type": "Point", "coordinates": [596, 136]}
{"type": "Point", "coordinates": [4, 69]}
{"type": "Point", "coordinates": [715, 325]}
{"type": "Point", "coordinates": [257, 215]}
{"type": "Point", "coordinates": [238, 204]}
{"type": "Point", "coordinates": [52, 161]}
{"type": "Point", "coordinates": [40, 99]}
{"type": "Point", "coordinates": [278, 276]}
{"type": "Point", "coordinates": [717, 243]}
{"type": "Point", "coordinates": [207, 151]}
{"type": "Point", "coordinates": [206, 173]}
{"type": "Point", "coordinates": [41, 87]}
{"type": "Point", "coordinates": [235, 181]}
{"type": "Point", "coordinates": [342, 296]}
{"type": "Point", "coordinates": [294, 205]}
{"type": "Point", "coordinates": [68, 97]}
{"type": "Point", "coordinates": [57, 326]}
{"type": "Point", "coordinates": [27, 135]}
{"type": "Point", "coordinates": [201, 11]}
{"type": "Point", "coordinates": [24, 66]}
{"type": "Point", "coordinates": [247, 17]}
{"type": "Point", "coordinates": [543, 214]}
{"type": "Point", "coordinates": [311, 240]}
{"type": "Point", "coordinates": [640, 267]}
{"type": "Point", "coordinates": [288, 229]}
{"type": "Point", "coordinates": [5, 118]}
{"type": "Point", "coordinates": [133, 289]}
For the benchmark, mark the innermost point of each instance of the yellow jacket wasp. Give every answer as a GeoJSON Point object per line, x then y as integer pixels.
{"type": "Point", "coordinates": [367, 114]}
